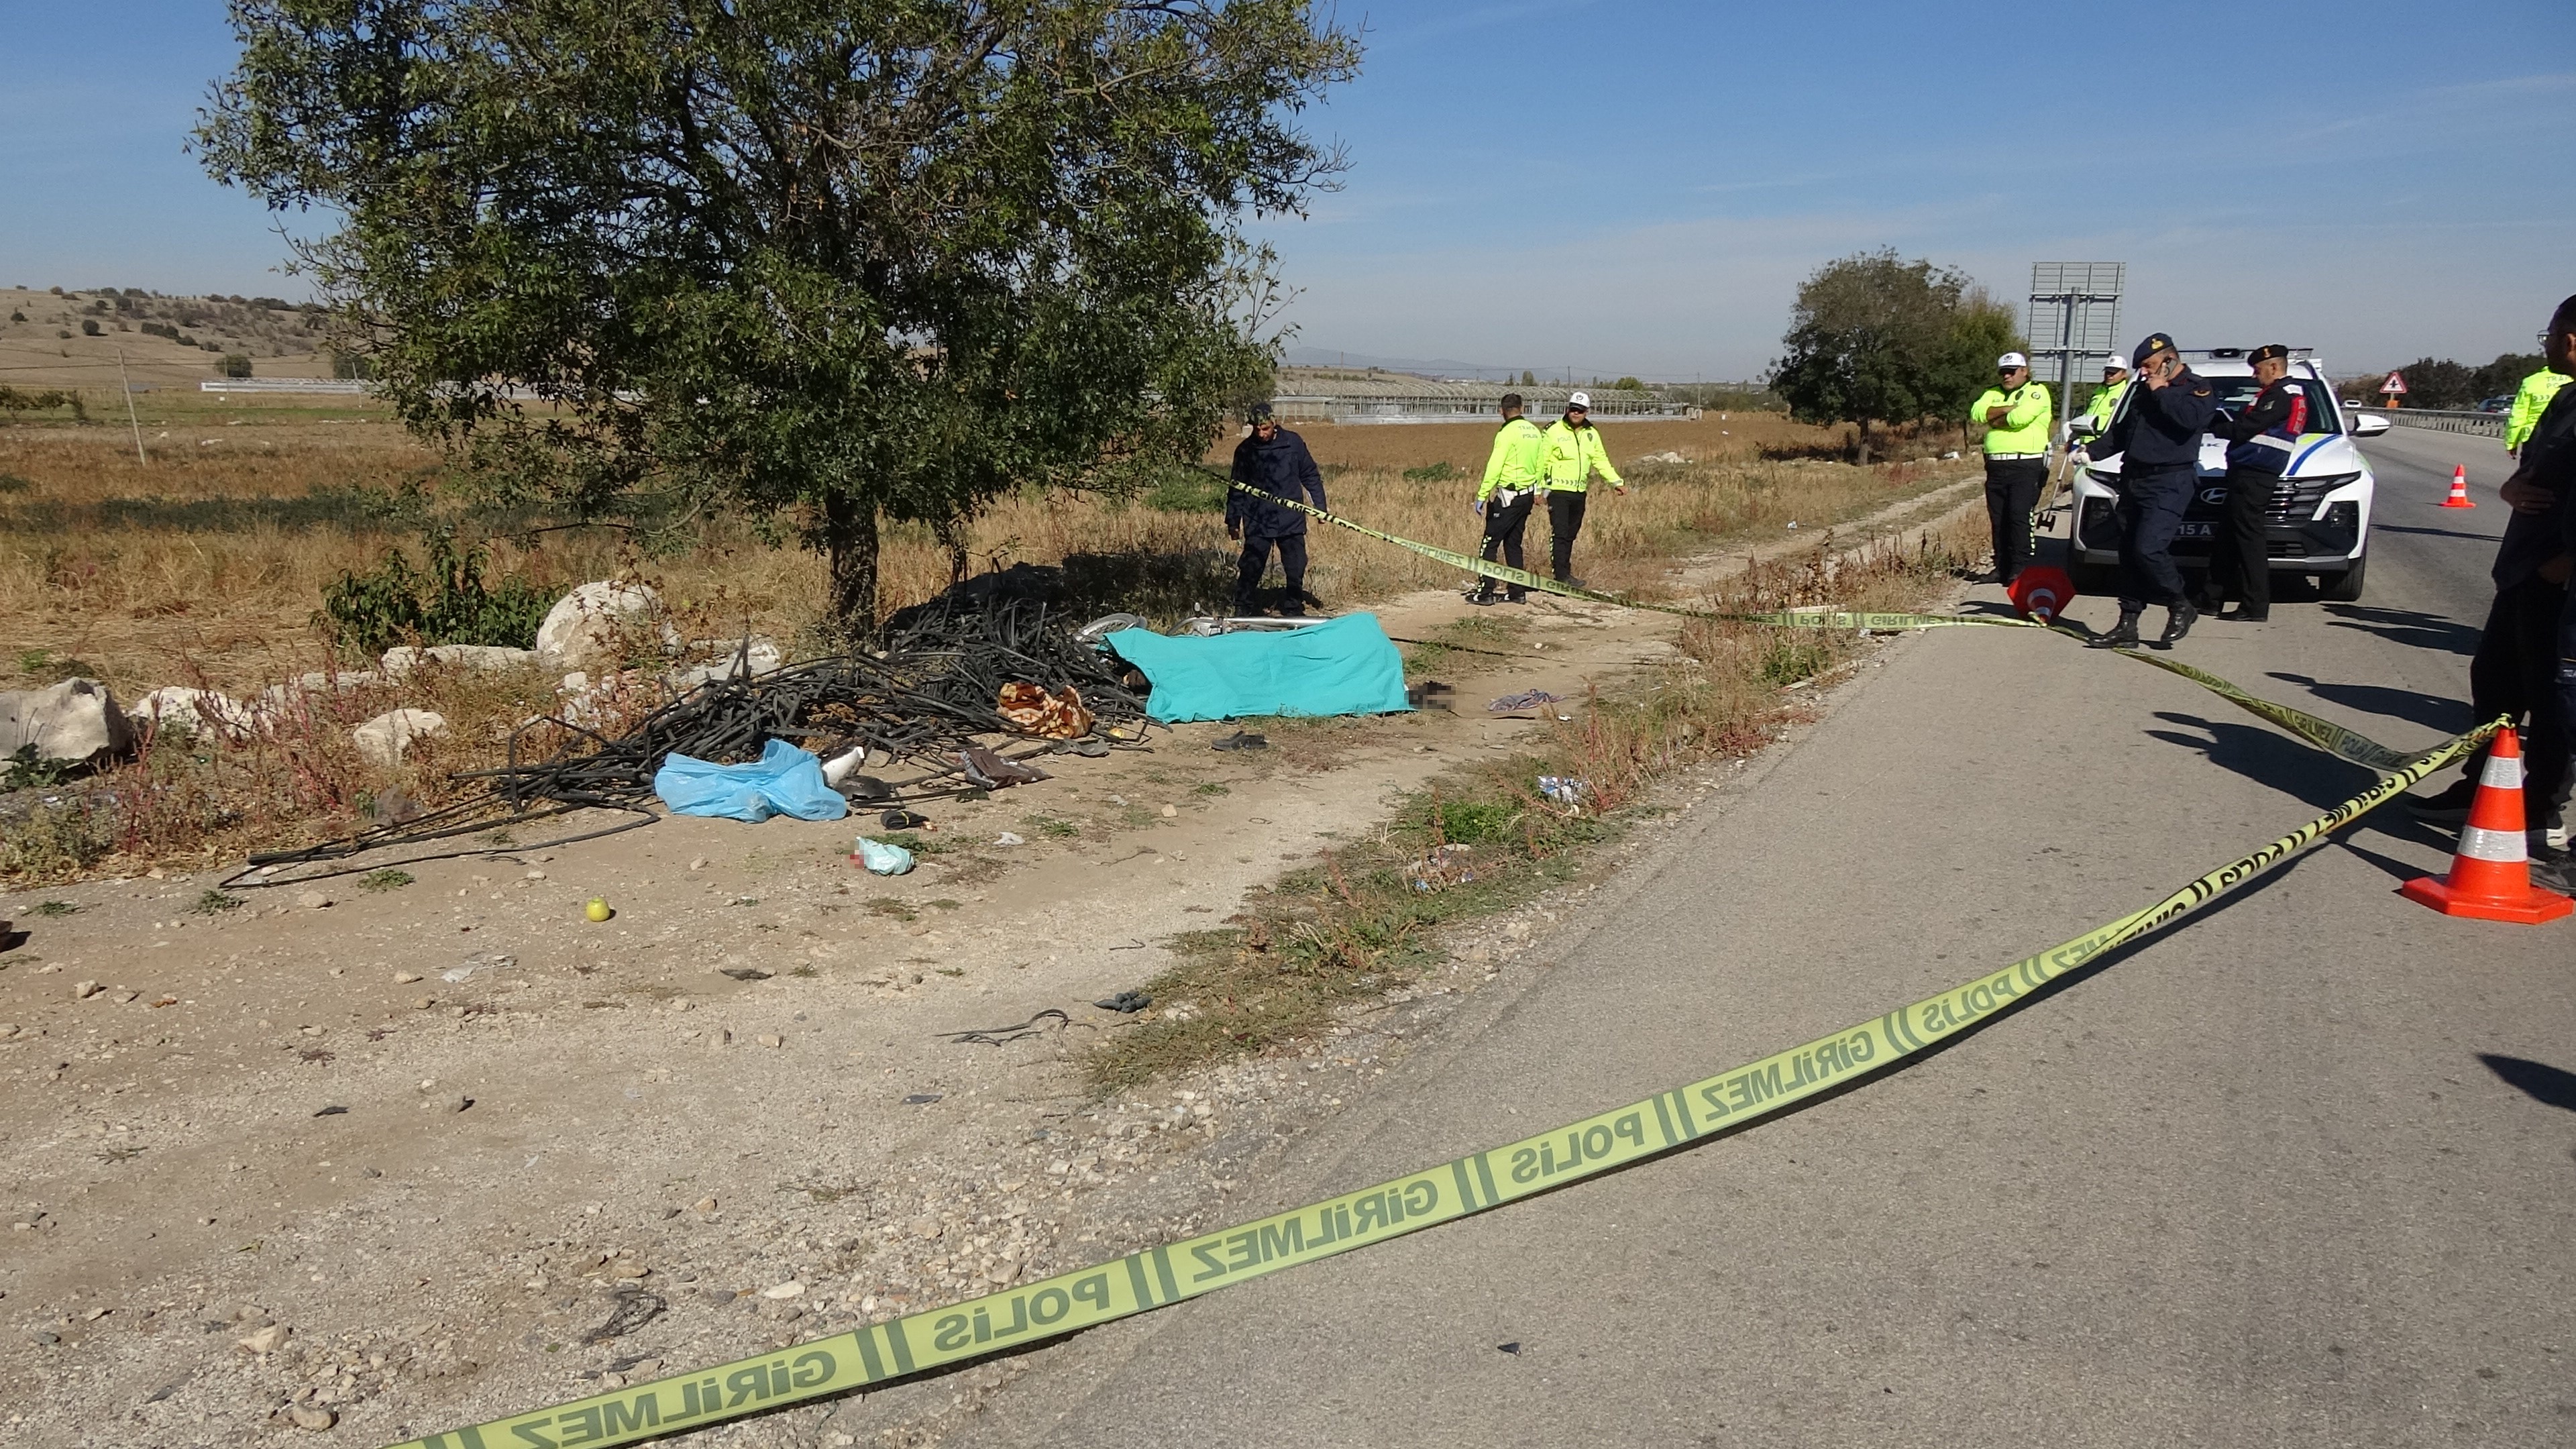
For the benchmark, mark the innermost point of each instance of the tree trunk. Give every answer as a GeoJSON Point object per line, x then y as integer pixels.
{"type": "Point", "coordinates": [850, 545]}
{"type": "Point", "coordinates": [1861, 447]}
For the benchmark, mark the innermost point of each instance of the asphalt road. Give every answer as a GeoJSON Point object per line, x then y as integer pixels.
{"type": "Point", "coordinates": [2297, 1173]}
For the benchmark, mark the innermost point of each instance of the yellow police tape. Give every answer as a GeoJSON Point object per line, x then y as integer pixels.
{"type": "Point", "coordinates": [2325, 734]}
{"type": "Point", "coordinates": [1667, 1121]}
{"type": "Point", "coordinates": [1139, 1282]}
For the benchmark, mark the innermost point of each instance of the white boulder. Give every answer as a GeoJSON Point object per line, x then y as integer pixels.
{"type": "Point", "coordinates": [192, 709]}
{"type": "Point", "coordinates": [383, 739]}
{"type": "Point", "coordinates": [74, 720]}
{"type": "Point", "coordinates": [588, 628]}
{"type": "Point", "coordinates": [402, 659]}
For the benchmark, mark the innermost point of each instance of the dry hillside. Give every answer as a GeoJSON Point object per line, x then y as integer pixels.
{"type": "Point", "coordinates": [63, 338]}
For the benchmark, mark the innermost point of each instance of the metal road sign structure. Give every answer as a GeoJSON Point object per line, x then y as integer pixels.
{"type": "Point", "coordinates": [2074, 318]}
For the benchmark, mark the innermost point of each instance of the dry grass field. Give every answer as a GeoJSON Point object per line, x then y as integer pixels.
{"type": "Point", "coordinates": [205, 564]}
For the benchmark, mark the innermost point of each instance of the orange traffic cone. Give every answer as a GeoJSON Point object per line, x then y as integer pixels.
{"type": "Point", "coordinates": [2459, 490]}
{"type": "Point", "coordinates": [2490, 875]}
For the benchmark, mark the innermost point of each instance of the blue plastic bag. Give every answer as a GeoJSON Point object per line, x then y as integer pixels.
{"type": "Point", "coordinates": [784, 781]}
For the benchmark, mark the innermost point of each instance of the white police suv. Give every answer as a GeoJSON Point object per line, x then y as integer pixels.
{"type": "Point", "coordinates": [2320, 515]}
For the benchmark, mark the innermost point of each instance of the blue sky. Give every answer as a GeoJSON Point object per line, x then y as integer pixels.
{"type": "Point", "coordinates": [1639, 187]}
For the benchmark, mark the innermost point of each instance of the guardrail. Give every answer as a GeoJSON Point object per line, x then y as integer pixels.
{"type": "Point", "coordinates": [344, 387]}
{"type": "Point", "coordinates": [1346, 408]}
{"type": "Point", "coordinates": [2484, 425]}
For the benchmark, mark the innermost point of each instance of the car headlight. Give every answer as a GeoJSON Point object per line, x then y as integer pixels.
{"type": "Point", "coordinates": [2326, 483]}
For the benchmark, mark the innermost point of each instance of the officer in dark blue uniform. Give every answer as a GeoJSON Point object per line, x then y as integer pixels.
{"type": "Point", "coordinates": [2157, 435]}
{"type": "Point", "coordinates": [1274, 463]}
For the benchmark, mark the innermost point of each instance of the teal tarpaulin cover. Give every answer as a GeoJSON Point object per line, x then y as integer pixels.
{"type": "Point", "coordinates": [1343, 666]}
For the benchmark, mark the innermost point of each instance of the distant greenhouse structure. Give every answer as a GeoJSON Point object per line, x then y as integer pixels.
{"type": "Point", "coordinates": [1341, 395]}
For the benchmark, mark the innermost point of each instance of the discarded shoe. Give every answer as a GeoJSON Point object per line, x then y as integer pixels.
{"type": "Point", "coordinates": [1242, 740]}
{"type": "Point", "coordinates": [2123, 635]}
{"type": "Point", "coordinates": [1125, 1002]}
{"type": "Point", "coordinates": [866, 787]}
{"type": "Point", "coordinates": [902, 820]}
{"type": "Point", "coordinates": [988, 771]}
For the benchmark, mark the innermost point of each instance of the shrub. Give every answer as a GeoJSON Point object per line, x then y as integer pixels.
{"type": "Point", "coordinates": [1440, 472]}
{"type": "Point", "coordinates": [449, 604]}
{"type": "Point", "coordinates": [236, 364]}
{"type": "Point", "coordinates": [89, 327]}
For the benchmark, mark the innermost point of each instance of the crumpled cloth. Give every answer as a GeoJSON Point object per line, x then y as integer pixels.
{"type": "Point", "coordinates": [1526, 699]}
{"type": "Point", "coordinates": [989, 771]}
{"type": "Point", "coordinates": [1048, 716]}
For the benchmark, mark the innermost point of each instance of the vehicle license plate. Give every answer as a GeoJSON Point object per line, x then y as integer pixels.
{"type": "Point", "coordinates": [2197, 530]}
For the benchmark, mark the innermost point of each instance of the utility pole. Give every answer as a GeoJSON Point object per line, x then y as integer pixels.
{"type": "Point", "coordinates": [130, 419]}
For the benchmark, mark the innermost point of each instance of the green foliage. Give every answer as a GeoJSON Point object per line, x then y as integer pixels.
{"type": "Point", "coordinates": [449, 604]}
{"type": "Point", "coordinates": [1787, 660]}
{"type": "Point", "coordinates": [836, 263]}
{"type": "Point", "coordinates": [13, 483]}
{"type": "Point", "coordinates": [27, 772]}
{"type": "Point", "coordinates": [13, 400]}
{"type": "Point", "coordinates": [1629, 384]}
{"type": "Point", "coordinates": [236, 364]}
{"type": "Point", "coordinates": [2442, 384]}
{"type": "Point", "coordinates": [388, 879]}
{"type": "Point", "coordinates": [1873, 338]}
{"type": "Point", "coordinates": [215, 902]}
{"type": "Point", "coordinates": [1187, 490]}
{"type": "Point", "coordinates": [55, 908]}
{"type": "Point", "coordinates": [55, 841]}
{"type": "Point", "coordinates": [89, 327]}
{"type": "Point", "coordinates": [1440, 472]}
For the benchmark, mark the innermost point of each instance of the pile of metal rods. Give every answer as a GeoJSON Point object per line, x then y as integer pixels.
{"type": "Point", "coordinates": [926, 698]}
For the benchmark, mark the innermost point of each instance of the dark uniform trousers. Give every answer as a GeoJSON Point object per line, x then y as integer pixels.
{"type": "Point", "coordinates": [2240, 559]}
{"type": "Point", "coordinates": [1564, 521]}
{"type": "Point", "coordinates": [2517, 672]}
{"type": "Point", "coordinates": [2012, 491]}
{"type": "Point", "coordinates": [2151, 504]}
{"type": "Point", "coordinates": [1256, 562]}
{"type": "Point", "coordinates": [1505, 526]}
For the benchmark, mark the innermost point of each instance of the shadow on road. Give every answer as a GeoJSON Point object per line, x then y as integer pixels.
{"type": "Point", "coordinates": [2378, 527]}
{"type": "Point", "coordinates": [2539, 1081]}
{"type": "Point", "coordinates": [2450, 716]}
{"type": "Point", "coordinates": [2297, 770]}
{"type": "Point", "coordinates": [2410, 627]}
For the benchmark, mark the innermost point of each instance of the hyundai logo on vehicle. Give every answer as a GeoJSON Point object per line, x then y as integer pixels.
{"type": "Point", "coordinates": [2213, 495]}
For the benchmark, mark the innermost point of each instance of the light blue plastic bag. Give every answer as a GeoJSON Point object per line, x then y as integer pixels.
{"type": "Point", "coordinates": [784, 781]}
{"type": "Point", "coordinates": [883, 857]}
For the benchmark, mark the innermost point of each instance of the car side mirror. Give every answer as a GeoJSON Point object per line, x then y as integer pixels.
{"type": "Point", "coordinates": [2369, 425]}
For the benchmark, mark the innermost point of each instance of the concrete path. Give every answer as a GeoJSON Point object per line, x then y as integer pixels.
{"type": "Point", "coordinates": [2298, 1173]}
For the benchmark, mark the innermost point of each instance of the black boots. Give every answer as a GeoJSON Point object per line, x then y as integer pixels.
{"type": "Point", "coordinates": [2124, 636]}
{"type": "Point", "coordinates": [2178, 622]}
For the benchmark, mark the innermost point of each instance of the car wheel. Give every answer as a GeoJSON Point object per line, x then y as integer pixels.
{"type": "Point", "coordinates": [2345, 587]}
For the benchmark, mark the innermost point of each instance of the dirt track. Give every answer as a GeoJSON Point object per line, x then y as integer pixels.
{"type": "Point", "coordinates": [288, 1117]}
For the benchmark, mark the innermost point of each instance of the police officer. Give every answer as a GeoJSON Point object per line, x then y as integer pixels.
{"type": "Point", "coordinates": [2529, 401]}
{"type": "Point", "coordinates": [2525, 667]}
{"type": "Point", "coordinates": [2105, 403]}
{"type": "Point", "coordinates": [1570, 452]}
{"type": "Point", "coordinates": [1510, 490]}
{"type": "Point", "coordinates": [1274, 463]}
{"type": "Point", "coordinates": [2016, 416]}
{"type": "Point", "coordinates": [2261, 440]}
{"type": "Point", "coordinates": [2157, 435]}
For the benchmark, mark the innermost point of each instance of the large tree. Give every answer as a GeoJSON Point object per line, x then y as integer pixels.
{"type": "Point", "coordinates": [1877, 339]}
{"type": "Point", "coordinates": [836, 260]}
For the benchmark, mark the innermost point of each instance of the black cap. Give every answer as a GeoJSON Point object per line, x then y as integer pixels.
{"type": "Point", "coordinates": [2156, 342]}
{"type": "Point", "coordinates": [2268, 352]}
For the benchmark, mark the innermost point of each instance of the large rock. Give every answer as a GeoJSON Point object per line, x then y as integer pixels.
{"type": "Point", "coordinates": [74, 720]}
{"type": "Point", "coordinates": [193, 709]}
{"type": "Point", "coordinates": [590, 627]}
{"type": "Point", "coordinates": [383, 739]}
{"type": "Point", "coordinates": [402, 659]}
